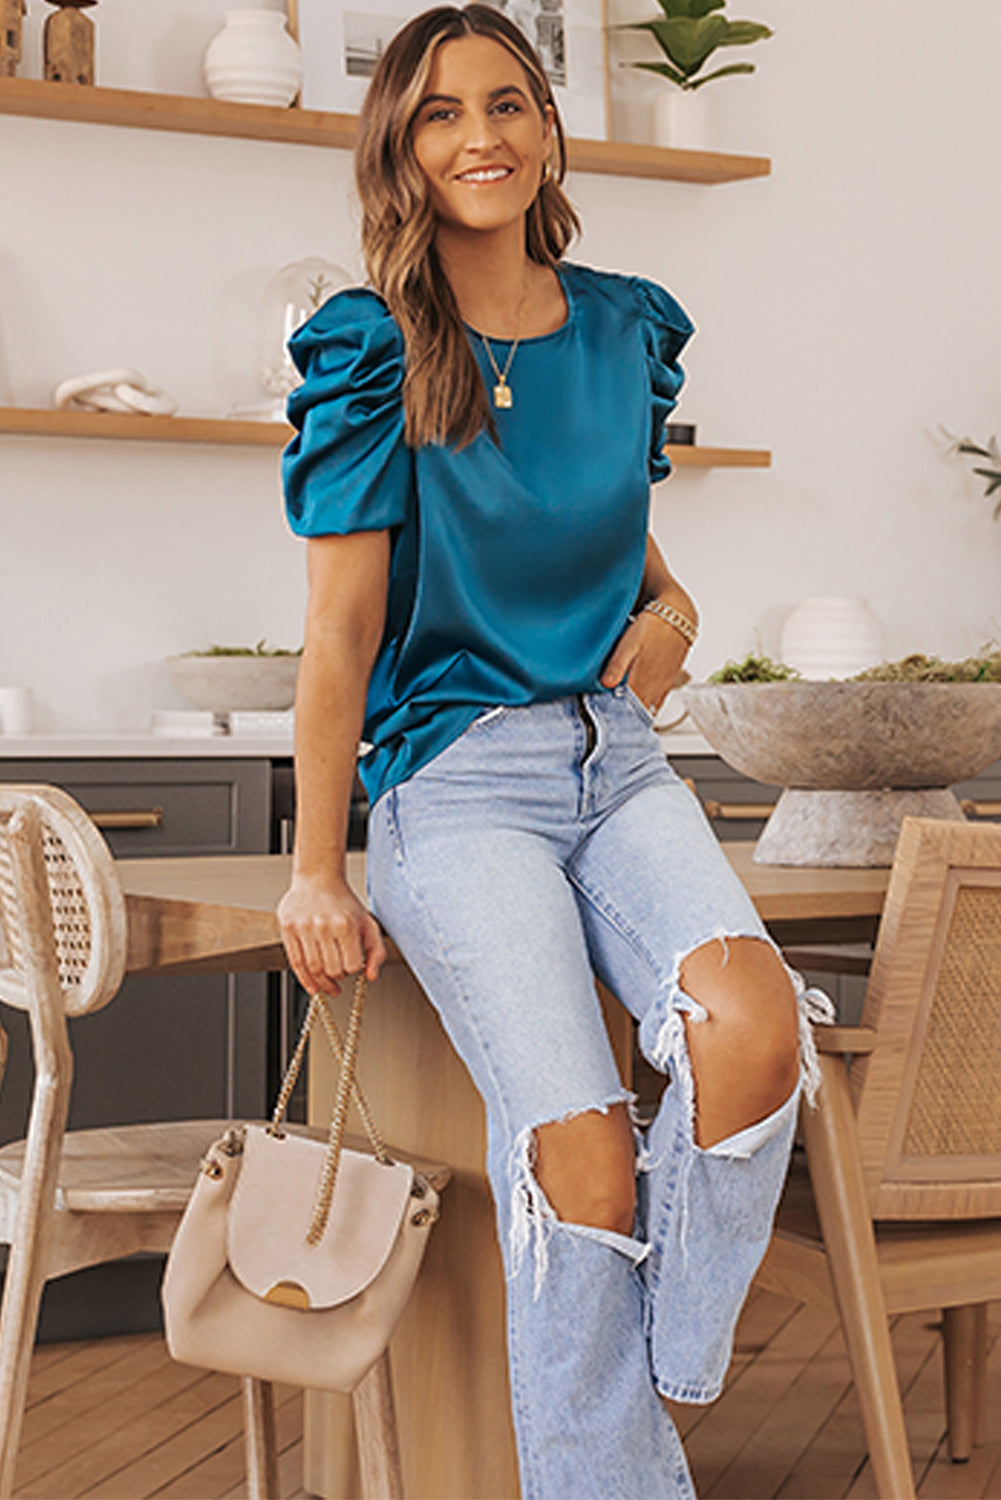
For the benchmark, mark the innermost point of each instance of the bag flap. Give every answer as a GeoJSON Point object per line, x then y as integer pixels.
{"type": "Point", "coordinates": [271, 1209]}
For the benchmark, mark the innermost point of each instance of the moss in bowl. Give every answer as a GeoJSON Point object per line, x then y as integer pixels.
{"type": "Point", "coordinates": [854, 757]}
{"type": "Point", "coordinates": [229, 679]}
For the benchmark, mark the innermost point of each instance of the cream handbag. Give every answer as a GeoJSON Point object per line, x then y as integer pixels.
{"type": "Point", "coordinates": [295, 1257]}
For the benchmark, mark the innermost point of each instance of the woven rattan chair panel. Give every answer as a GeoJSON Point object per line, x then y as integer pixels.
{"type": "Point", "coordinates": [956, 1104]}
{"type": "Point", "coordinates": [70, 912]}
{"type": "Point", "coordinates": [71, 917]}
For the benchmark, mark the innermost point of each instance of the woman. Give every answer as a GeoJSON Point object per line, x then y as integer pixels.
{"type": "Point", "coordinates": [478, 434]}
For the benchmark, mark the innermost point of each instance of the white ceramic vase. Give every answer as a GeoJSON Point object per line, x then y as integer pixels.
{"type": "Point", "coordinates": [831, 637]}
{"type": "Point", "coordinates": [685, 118]}
{"type": "Point", "coordinates": [254, 60]}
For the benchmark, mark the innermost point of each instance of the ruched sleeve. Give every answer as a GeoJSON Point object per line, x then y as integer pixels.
{"type": "Point", "coordinates": [348, 468]}
{"type": "Point", "coordinates": [666, 330]}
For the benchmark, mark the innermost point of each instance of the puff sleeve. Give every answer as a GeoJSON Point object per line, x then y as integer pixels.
{"type": "Point", "coordinates": [348, 468]}
{"type": "Point", "coordinates": [666, 330]}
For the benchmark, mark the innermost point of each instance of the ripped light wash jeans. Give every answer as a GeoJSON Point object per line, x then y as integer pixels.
{"type": "Point", "coordinates": [545, 845]}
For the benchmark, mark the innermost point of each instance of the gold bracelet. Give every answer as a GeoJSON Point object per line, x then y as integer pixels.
{"type": "Point", "coordinates": [672, 616]}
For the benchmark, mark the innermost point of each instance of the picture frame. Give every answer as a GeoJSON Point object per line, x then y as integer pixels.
{"type": "Point", "coordinates": [341, 41]}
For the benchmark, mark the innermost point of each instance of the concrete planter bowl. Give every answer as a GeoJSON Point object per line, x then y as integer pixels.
{"type": "Point", "coordinates": [853, 758]}
{"type": "Point", "coordinates": [228, 684]}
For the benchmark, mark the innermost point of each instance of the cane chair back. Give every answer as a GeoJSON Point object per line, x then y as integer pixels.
{"type": "Point", "coordinates": [62, 915]}
{"type": "Point", "coordinates": [927, 1099]}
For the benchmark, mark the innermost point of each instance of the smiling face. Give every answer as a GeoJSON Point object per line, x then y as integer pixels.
{"type": "Point", "coordinates": [479, 137]}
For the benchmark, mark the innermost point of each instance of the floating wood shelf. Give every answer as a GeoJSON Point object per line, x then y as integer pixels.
{"type": "Point", "coordinates": [41, 422]}
{"type": "Point", "coordinates": [311, 127]}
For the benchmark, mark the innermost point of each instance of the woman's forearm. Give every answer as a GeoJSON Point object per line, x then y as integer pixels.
{"type": "Point", "coordinates": [330, 707]}
{"type": "Point", "coordinates": [344, 624]}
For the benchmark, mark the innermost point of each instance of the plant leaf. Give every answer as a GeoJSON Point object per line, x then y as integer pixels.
{"type": "Point", "coordinates": [967, 447]}
{"type": "Point", "coordinates": [674, 9]}
{"type": "Point", "coordinates": [686, 41]}
{"type": "Point", "coordinates": [665, 70]}
{"type": "Point", "coordinates": [743, 33]}
{"type": "Point", "coordinates": [697, 83]}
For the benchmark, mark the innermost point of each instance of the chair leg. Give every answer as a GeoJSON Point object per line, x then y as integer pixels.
{"type": "Point", "coordinates": [25, 1281]}
{"type": "Point", "coordinates": [964, 1347]}
{"type": "Point", "coordinates": [378, 1439]}
{"type": "Point", "coordinates": [25, 1278]}
{"type": "Point", "coordinates": [843, 1207]}
{"type": "Point", "coordinates": [259, 1439]}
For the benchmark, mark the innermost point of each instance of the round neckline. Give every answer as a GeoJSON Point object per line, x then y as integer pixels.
{"type": "Point", "coordinates": [535, 338]}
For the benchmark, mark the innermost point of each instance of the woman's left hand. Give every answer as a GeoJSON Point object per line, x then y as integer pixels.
{"type": "Point", "coordinates": [649, 653]}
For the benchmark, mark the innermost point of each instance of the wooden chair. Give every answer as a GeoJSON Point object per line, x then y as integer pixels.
{"type": "Point", "coordinates": [904, 1147]}
{"type": "Point", "coordinates": [69, 1200]}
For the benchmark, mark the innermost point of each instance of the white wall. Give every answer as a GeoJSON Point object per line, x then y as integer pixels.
{"type": "Point", "coordinates": [847, 305]}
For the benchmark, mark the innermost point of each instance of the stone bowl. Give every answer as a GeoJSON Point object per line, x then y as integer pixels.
{"type": "Point", "coordinates": [228, 684]}
{"type": "Point", "coordinates": [854, 758]}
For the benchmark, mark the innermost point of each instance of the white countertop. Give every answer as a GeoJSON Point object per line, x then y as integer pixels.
{"type": "Point", "coordinates": [88, 745]}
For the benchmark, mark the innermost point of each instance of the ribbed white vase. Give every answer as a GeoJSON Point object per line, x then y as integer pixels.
{"type": "Point", "coordinates": [253, 60]}
{"type": "Point", "coordinates": [832, 637]}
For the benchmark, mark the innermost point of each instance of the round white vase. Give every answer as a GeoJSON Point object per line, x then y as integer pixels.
{"type": "Point", "coordinates": [831, 637]}
{"type": "Point", "coordinates": [254, 60]}
{"type": "Point", "coordinates": [685, 118]}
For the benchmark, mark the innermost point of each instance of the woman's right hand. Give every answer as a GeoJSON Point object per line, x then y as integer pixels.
{"type": "Point", "coordinates": [328, 934]}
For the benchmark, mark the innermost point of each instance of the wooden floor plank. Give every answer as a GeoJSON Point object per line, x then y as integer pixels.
{"type": "Point", "coordinates": [714, 1443]}
{"type": "Point", "coordinates": [763, 1465]}
{"type": "Point", "coordinates": [101, 1387]}
{"type": "Point", "coordinates": [207, 1429]}
{"type": "Point", "coordinates": [131, 1407]}
{"type": "Point", "coordinates": [49, 1376]}
{"type": "Point", "coordinates": [89, 1471]}
{"type": "Point", "coordinates": [223, 1471]}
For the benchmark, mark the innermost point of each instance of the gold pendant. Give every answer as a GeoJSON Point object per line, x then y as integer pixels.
{"type": "Point", "coordinates": [503, 395]}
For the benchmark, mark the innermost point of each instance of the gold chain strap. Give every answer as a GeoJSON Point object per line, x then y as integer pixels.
{"type": "Point", "coordinates": [346, 1053]}
{"type": "Point", "coordinates": [361, 1103]}
{"type": "Point", "coordinates": [332, 1160]}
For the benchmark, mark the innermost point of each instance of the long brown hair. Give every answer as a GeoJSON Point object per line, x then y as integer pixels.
{"type": "Point", "coordinates": [444, 396]}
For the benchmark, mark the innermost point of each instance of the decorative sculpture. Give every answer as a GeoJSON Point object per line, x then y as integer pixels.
{"type": "Point", "coordinates": [69, 43]}
{"type": "Point", "coordinates": [11, 12]}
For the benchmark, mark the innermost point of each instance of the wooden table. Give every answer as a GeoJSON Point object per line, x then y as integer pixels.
{"type": "Point", "coordinates": [217, 913]}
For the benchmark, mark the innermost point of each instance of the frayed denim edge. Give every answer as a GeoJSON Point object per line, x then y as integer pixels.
{"type": "Point", "coordinates": [533, 1217]}
{"type": "Point", "coordinates": [669, 1051]}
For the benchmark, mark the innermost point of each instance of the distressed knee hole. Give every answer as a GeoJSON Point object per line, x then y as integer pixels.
{"type": "Point", "coordinates": [579, 1170]}
{"type": "Point", "coordinates": [735, 1033]}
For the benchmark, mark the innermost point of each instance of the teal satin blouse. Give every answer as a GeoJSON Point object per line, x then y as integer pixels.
{"type": "Point", "coordinates": [516, 563]}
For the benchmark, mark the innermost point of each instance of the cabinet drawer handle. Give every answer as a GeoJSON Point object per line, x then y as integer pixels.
{"type": "Point", "coordinates": [737, 812]}
{"type": "Point", "coordinates": [141, 817]}
{"type": "Point", "coordinates": [974, 809]}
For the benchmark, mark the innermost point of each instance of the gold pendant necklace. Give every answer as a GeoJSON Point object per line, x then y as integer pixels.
{"type": "Point", "coordinates": [503, 394]}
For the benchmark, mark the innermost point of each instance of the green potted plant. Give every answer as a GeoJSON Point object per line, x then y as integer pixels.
{"type": "Point", "coordinates": [689, 33]}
